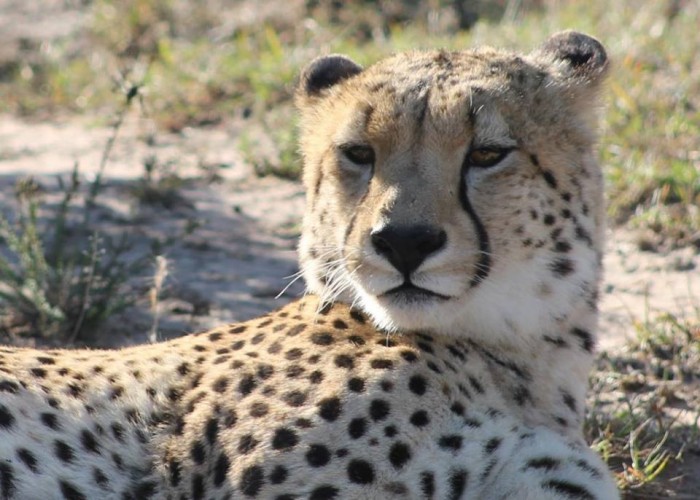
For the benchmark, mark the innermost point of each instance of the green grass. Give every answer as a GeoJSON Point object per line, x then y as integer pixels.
{"type": "Point", "coordinates": [644, 407]}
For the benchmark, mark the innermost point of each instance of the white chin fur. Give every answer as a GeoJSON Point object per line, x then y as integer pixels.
{"type": "Point", "coordinates": [507, 306]}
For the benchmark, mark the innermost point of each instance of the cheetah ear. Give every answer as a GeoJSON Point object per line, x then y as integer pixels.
{"type": "Point", "coordinates": [583, 57]}
{"type": "Point", "coordinates": [325, 72]}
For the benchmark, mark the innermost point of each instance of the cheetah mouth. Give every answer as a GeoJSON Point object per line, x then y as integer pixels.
{"type": "Point", "coordinates": [408, 292]}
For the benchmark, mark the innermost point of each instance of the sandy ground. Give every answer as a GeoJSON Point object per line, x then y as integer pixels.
{"type": "Point", "coordinates": [242, 254]}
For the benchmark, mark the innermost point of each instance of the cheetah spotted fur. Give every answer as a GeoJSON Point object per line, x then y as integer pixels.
{"type": "Point", "coordinates": [452, 250]}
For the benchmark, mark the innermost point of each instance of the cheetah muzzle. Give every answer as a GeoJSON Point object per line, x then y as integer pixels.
{"type": "Point", "coordinates": [452, 248]}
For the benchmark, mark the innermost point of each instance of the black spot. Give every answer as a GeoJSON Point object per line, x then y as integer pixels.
{"type": "Point", "coordinates": [212, 429]}
{"type": "Point", "coordinates": [293, 371]}
{"type": "Point", "coordinates": [28, 458]}
{"type": "Point", "coordinates": [456, 352]}
{"type": "Point", "coordinates": [357, 427]}
{"type": "Point", "coordinates": [63, 451]}
{"type": "Point", "coordinates": [322, 338]}
{"type": "Point", "coordinates": [356, 384]}
{"type": "Point", "coordinates": [284, 439]}
{"type": "Point", "coordinates": [546, 463]}
{"type": "Point", "coordinates": [294, 398]}
{"type": "Point", "coordinates": [198, 453]}
{"type": "Point", "coordinates": [230, 419]}
{"type": "Point", "coordinates": [252, 480]}
{"type": "Point", "coordinates": [117, 431]}
{"type": "Point", "coordinates": [265, 371]}
{"type": "Point", "coordinates": [325, 492]}
{"type": "Point", "coordinates": [425, 347]}
{"type": "Point", "coordinates": [197, 487]}
{"type": "Point", "coordinates": [492, 445]}
{"type": "Point", "coordinates": [549, 179]}
{"type": "Point", "coordinates": [329, 409]}
{"type": "Point", "coordinates": [420, 418]}
{"type": "Point", "coordinates": [409, 356]}
{"type": "Point", "coordinates": [458, 483]}
{"type": "Point", "coordinates": [6, 418]}
{"type": "Point", "coordinates": [215, 336]}
{"type": "Point", "coordinates": [358, 316]}
{"type": "Point", "coordinates": [295, 330]}
{"type": "Point", "coordinates": [390, 431]}
{"type": "Point", "coordinates": [316, 377]}
{"type": "Point", "coordinates": [259, 409]}
{"type": "Point", "coordinates": [100, 477]}
{"type": "Point", "coordinates": [585, 337]}
{"type": "Point", "coordinates": [427, 484]}
{"type": "Point", "coordinates": [118, 461]}
{"type": "Point", "coordinates": [417, 384]}
{"type": "Point", "coordinates": [356, 340]}
{"type": "Point", "coordinates": [293, 354]}
{"type": "Point", "coordinates": [7, 481]}
{"type": "Point", "coordinates": [278, 475]}
{"type": "Point", "coordinates": [521, 395]}
{"type": "Point", "coordinates": [247, 384]}
{"type": "Point", "coordinates": [360, 472]}
{"type": "Point", "coordinates": [9, 386]}
{"type": "Point", "coordinates": [220, 384]}
{"type": "Point", "coordinates": [246, 444]}
{"type": "Point", "coordinates": [38, 372]}
{"type": "Point", "coordinates": [476, 385]}
{"type": "Point", "coordinates": [562, 267]}
{"type": "Point", "coordinates": [569, 489]}
{"type": "Point", "coordinates": [44, 360]}
{"type": "Point", "coordinates": [378, 409]}
{"type": "Point", "coordinates": [399, 454]}
{"type": "Point", "coordinates": [221, 469]}
{"type": "Point", "coordinates": [340, 324]}
{"type": "Point", "coordinates": [257, 338]}
{"type": "Point", "coordinates": [569, 400]}
{"type": "Point", "coordinates": [89, 442]}
{"type": "Point", "coordinates": [387, 385]}
{"type": "Point", "coordinates": [344, 361]}
{"type": "Point", "coordinates": [582, 234]}
{"type": "Point", "coordinates": [549, 219]}
{"type": "Point", "coordinates": [382, 364]}
{"type": "Point", "coordinates": [562, 246]}
{"type": "Point", "coordinates": [451, 442]}
{"type": "Point", "coordinates": [583, 465]}
{"type": "Point", "coordinates": [69, 491]}
{"type": "Point", "coordinates": [238, 345]}
{"type": "Point", "coordinates": [318, 455]}
{"type": "Point", "coordinates": [174, 471]}
{"type": "Point", "coordinates": [556, 341]}
{"type": "Point", "coordinates": [457, 408]}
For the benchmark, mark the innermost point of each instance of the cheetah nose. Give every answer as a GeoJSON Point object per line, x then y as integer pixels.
{"type": "Point", "coordinates": [406, 247]}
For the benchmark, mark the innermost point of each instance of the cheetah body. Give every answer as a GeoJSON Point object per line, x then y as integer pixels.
{"type": "Point", "coordinates": [452, 243]}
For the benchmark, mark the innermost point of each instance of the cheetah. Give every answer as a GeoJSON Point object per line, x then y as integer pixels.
{"type": "Point", "coordinates": [452, 250]}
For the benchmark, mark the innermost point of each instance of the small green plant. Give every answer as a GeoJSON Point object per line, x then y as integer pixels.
{"type": "Point", "coordinates": [64, 285]}
{"type": "Point", "coordinates": [160, 185]}
{"type": "Point", "coordinates": [60, 279]}
{"type": "Point", "coordinates": [645, 411]}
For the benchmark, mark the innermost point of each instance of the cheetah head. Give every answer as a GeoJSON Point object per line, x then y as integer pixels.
{"type": "Point", "coordinates": [456, 192]}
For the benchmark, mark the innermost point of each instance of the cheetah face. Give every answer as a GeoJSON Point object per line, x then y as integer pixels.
{"type": "Point", "coordinates": [456, 192]}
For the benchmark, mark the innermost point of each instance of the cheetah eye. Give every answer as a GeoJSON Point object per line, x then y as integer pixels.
{"type": "Point", "coordinates": [486, 157]}
{"type": "Point", "coordinates": [358, 154]}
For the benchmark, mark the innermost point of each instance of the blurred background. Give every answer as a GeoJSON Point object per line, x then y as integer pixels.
{"type": "Point", "coordinates": [149, 179]}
